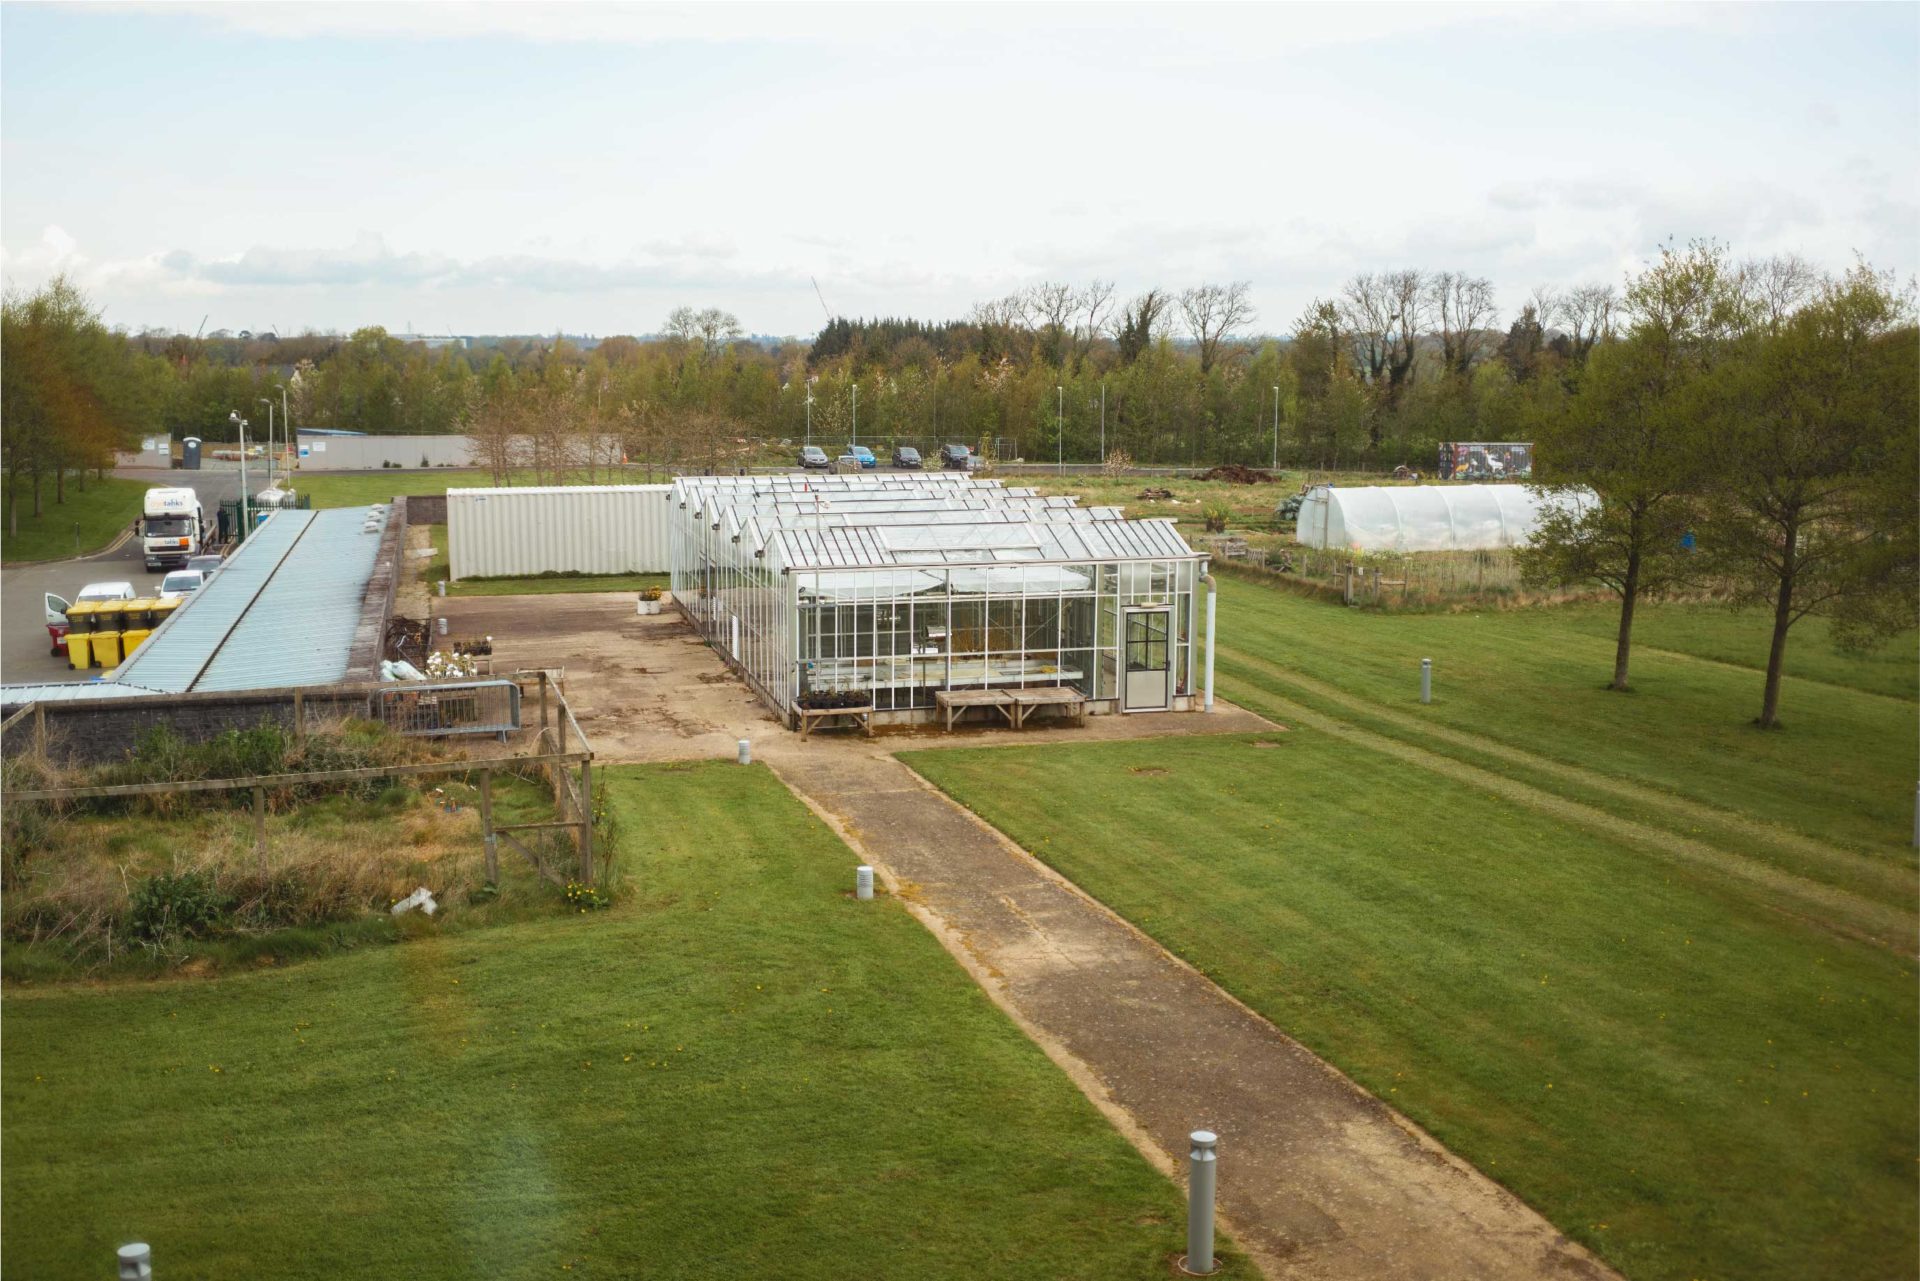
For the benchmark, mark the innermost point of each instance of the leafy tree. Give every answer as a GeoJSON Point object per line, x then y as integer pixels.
{"type": "Point", "coordinates": [1633, 436]}
{"type": "Point", "coordinates": [1812, 509]}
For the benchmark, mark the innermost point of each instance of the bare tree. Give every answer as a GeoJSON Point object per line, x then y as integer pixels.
{"type": "Point", "coordinates": [1777, 287]}
{"type": "Point", "coordinates": [1588, 311]}
{"type": "Point", "coordinates": [1211, 312]}
{"type": "Point", "coordinates": [1548, 304]}
{"type": "Point", "coordinates": [1137, 321]}
{"type": "Point", "coordinates": [1052, 306]}
{"type": "Point", "coordinates": [1463, 307]}
{"type": "Point", "coordinates": [1385, 313]}
{"type": "Point", "coordinates": [1093, 302]}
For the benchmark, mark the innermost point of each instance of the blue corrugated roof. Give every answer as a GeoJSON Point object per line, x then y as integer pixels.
{"type": "Point", "coordinates": [282, 610]}
{"type": "Point", "coordinates": [300, 629]}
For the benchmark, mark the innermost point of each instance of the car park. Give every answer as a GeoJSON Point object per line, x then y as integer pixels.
{"type": "Point", "coordinates": [955, 456]}
{"type": "Point", "coordinates": [180, 582]}
{"type": "Point", "coordinates": [906, 456]}
{"type": "Point", "coordinates": [815, 458]}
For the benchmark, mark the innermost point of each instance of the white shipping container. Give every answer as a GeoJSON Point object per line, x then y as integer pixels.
{"type": "Point", "coordinates": [585, 529]}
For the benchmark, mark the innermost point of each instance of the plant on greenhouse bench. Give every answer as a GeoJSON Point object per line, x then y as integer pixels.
{"type": "Point", "coordinates": [582, 897]}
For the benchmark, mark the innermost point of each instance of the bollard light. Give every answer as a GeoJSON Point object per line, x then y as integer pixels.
{"type": "Point", "coordinates": [136, 1262]}
{"type": "Point", "coordinates": [1201, 1163]}
{"type": "Point", "coordinates": [746, 752]}
{"type": "Point", "coordinates": [1426, 680]}
{"type": "Point", "coordinates": [863, 882]}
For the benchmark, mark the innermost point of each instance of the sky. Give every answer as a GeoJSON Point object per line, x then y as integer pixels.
{"type": "Point", "coordinates": [532, 168]}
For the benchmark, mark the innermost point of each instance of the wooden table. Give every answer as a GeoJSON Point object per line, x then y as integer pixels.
{"type": "Point", "coordinates": [810, 718]}
{"type": "Point", "coordinates": [1026, 701]}
{"type": "Point", "coordinates": [953, 702]}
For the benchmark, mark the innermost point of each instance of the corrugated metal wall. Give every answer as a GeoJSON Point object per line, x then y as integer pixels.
{"type": "Point", "coordinates": [587, 529]}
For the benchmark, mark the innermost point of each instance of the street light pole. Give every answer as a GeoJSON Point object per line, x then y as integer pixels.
{"type": "Point", "coordinates": [269, 404]}
{"type": "Point", "coordinates": [286, 423]}
{"type": "Point", "coordinates": [234, 417]}
{"type": "Point", "coordinates": [1276, 429]}
{"type": "Point", "coordinates": [1103, 420]}
{"type": "Point", "coordinates": [856, 414]}
{"type": "Point", "coordinates": [1059, 428]}
{"type": "Point", "coordinates": [809, 411]}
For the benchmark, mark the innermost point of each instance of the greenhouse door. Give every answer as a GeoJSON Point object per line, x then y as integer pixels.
{"type": "Point", "coordinates": [1149, 653]}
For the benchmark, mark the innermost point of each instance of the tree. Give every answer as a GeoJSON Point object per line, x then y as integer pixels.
{"type": "Point", "coordinates": [1633, 436]}
{"type": "Point", "coordinates": [1588, 313]}
{"type": "Point", "coordinates": [1813, 509]}
{"type": "Point", "coordinates": [1463, 307]}
{"type": "Point", "coordinates": [1137, 321]}
{"type": "Point", "coordinates": [1384, 314]}
{"type": "Point", "coordinates": [1212, 312]}
{"type": "Point", "coordinates": [1093, 302]}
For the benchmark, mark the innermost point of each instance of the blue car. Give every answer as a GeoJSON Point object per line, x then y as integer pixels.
{"type": "Point", "coordinates": [867, 461]}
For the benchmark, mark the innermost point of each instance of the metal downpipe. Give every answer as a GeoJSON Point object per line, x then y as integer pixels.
{"type": "Point", "coordinates": [1213, 599]}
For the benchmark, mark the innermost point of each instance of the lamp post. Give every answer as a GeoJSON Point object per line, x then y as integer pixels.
{"type": "Point", "coordinates": [811, 380]}
{"type": "Point", "coordinates": [234, 417]}
{"type": "Point", "coordinates": [1059, 428]}
{"type": "Point", "coordinates": [286, 423]}
{"type": "Point", "coordinates": [269, 404]}
{"type": "Point", "coordinates": [856, 414]}
{"type": "Point", "coordinates": [1103, 420]}
{"type": "Point", "coordinates": [1276, 429]}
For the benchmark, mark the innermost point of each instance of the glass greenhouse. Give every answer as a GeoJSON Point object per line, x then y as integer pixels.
{"type": "Point", "coordinates": [849, 589]}
{"type": "Point", "coordinates": [1424, 518]}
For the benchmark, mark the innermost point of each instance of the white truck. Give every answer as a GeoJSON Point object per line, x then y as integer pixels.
{"type": "Point", "coordinates": [172, 527]}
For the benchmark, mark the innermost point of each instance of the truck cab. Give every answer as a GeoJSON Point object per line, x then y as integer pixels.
{"type": "Point", "coordinates": [172, 527]}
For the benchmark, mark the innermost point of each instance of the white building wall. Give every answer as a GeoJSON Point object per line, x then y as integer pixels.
{"type": "Point", "coordinates": [587, 529]}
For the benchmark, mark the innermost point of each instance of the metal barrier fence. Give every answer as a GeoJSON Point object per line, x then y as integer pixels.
{"type": "Point", "coordinates": [444, 708]}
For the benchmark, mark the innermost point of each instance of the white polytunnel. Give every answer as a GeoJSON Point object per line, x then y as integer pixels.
{"type": "Point", "coordinates": [1427, 518]}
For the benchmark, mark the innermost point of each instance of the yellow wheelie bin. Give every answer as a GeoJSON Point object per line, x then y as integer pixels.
{"type": "Point", "coordinates": [138, 625]}
{"type": "Point", "coordinates": [109, 617]}
{"type": "Point", "coordinates": [162, 610]}
{"type": "Point", "coordinates": [80, 624]}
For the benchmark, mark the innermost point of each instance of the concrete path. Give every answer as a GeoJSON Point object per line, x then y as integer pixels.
{"type": "Point", "coordinates": [1318, 1179]}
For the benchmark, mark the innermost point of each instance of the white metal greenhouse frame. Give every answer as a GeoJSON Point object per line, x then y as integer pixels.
{"type": "Point", "coordinates": [1425, 518]}
{"type": "Point", "coordinates": [545, 529]}
{"type": "Point", "coordinates": [899, 587]}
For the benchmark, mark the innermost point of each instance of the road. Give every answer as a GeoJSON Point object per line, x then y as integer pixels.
{"type": "Point", "coordinates": [24, 651]}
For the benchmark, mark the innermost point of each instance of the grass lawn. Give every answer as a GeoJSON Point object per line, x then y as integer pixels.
{"type": "Point", "coordinates": [738, 1071]}
{"type": "Point", "coordinates": [1689, 1083]}
{"type": "Point", "coordinates": [1842, 772]}
{"type": "Point", "coordinates": [101, 511]}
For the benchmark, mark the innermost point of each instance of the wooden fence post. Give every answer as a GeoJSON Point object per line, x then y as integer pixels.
{"type": "Point", "coordinates": [543, 700]}
{"type": "Point", "coordinates": [486, 827]}
{"type": "Point", "coordinates": [260, 826]}
{"type": "Point", "coordinates": [40, 729]}
{"type": "Point", "coordinates": [560, 767]}
{"type": "Point", "coordinates": [299, 716]}
{"type": "Point", "coordinates": [586, 821]}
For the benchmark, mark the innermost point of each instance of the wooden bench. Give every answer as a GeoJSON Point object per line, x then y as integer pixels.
{"type": "Point", "coordinates": [811, 717]}
{"type": "Point", "coordinates": [954, 702]}
{"type": "Point", "coordinates": [1027, 701]}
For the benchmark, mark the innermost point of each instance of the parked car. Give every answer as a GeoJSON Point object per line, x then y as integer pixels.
{"type": "Point", "coordinates": [181, 582]}
{"type": "Point", "coordinates": [815, 458]}
{"type": "Point", "coordinates": [865, 455]}
{"type": "Point", "coordinates": [57, 607]}
{"type": "Point", "coordinates": [906, 456]}
{"type": "Point", "coordinates": [847, 463]}
{"type": "Point", "coordinates": [954, 456]}
{"type": "Point", "coordinates": [205, 564]}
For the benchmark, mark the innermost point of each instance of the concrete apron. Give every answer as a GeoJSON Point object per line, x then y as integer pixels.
{"type": "Point", "coordinates": [1318, 1179]}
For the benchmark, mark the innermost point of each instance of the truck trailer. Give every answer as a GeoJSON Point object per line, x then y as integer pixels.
{"type": "Point", "coordinates": [172, 527]}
